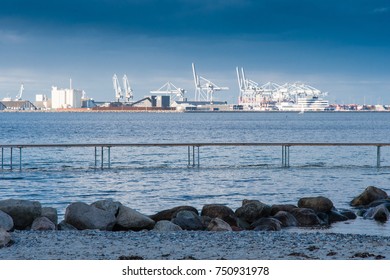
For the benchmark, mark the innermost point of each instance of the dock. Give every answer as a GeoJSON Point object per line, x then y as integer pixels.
{"type": "Point", "coordinates": [101, 152]}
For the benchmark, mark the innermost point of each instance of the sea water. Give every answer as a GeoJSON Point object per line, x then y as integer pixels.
{"type": "Point", "coordinates": [156, 178]}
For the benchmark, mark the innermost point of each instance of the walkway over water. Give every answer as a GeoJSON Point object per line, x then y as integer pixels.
{"type": "Point", "coordinates": [193, 152]}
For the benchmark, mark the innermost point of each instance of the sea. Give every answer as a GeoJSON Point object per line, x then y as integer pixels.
{"type": "Point", "coordinates": [151, 179]}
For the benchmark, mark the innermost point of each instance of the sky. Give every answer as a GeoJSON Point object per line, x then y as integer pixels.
{"type": "Point", "coordinates": [341, 47]}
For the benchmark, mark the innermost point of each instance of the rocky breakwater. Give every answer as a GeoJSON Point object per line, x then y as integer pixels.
{"type": "Point", "coordinates": [110, 215]}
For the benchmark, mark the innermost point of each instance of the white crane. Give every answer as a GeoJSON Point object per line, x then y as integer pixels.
{"type": "Point", "coordinates": [249, 89]}
{"type": "Point", "coordinates": [170, 89]}
{"type": "Point", "coordinates": [19, 96]}
{"type": "Point", "coordinates": [127, 88]}
{"type": "Point", "coordinates": [204, 89]}
{"type": "Point", "coordinates": [117, 88]}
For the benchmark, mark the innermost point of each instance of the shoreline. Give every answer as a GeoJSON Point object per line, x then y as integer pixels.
{"type": "Point", "coordinates": [193, 245]}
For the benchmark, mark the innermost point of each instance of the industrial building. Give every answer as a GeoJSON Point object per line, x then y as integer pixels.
{"type": "Point", "coordinates": [66, 98]}
{"type": "Point", "coordinates": [16, 105]}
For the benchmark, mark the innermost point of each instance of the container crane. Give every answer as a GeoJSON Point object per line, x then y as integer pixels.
{"type": "Point", "coordinates": [204, 88]}
{"type": "Point", "coordinates": [117, 88]}
{"type": "Point", "coordinates": [128, 90]}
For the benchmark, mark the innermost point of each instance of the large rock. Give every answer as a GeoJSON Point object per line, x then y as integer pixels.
{"type": "Point", "coordinates": [188, 220]}
{"type": "Point", "coordinates": [169, 214]}
{"type": "Point", "coordinates": [318, 204]}
{"type": "Point", "coordinates": [267, 224]}
{"type": "Point", "coordinates": [165, 225]}
{"type": "Point", "coordinates": [83, 216]}
{"type": "Point", "coordinates": [130, 219]}
{"type": "Point", "coordinates": [51, 214]}
{"type": "Point", "coordinates": [5, 238]}
{"type": "Point", "coordinates": [286, 219]}
{"type": "Point", "coordinates": [306, 217]}
{"type": "Point", "coordinates": [219, 211]}
{"type": "Point", "coordinates": [252, 210]}
{"type": "Point", "coordinates": [6, 221]}
{"type": "Point", "coordinates": [65, 226]}
{"type": "Point", "coordinates": [108, 205]}
{"type": "Point", "coordinates": [378, 213]}
{"type": "Point", "coordinates": [218, 224]}
{"type": "Point", "coordinates": [369, 195]}
{"type": "Point", "coordinates": [275, 208]}
{"type": "Point", "coordinates": [23, 212]}
{"type": "Point", "coordinates": [43, 223]}
{"type": "Point", "coordinates": [336, 216]}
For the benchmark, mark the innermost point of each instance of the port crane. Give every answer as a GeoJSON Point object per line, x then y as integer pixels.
{"type": "Point", "coordinates": [175, 93]}
{"type": "Point", "coordinates": [127, 88]}
{"type": "Point", "coordinates": [117, 88]}
{"type": "Point", "coordinates": [19, 96]}
{"type": "Point", "coordinates": [249, 90]}
{"type": "Point", "coordinates": [204, 88]}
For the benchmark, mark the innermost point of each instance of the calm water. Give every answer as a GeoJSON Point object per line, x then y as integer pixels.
{"type": "Point", "coordinates": [153, 179]}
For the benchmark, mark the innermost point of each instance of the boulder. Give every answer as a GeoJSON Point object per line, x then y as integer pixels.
{"type": "Point", "coordinates": [23, 212]}
{"type": "Point", "coordinates": [65, 226]}
{"type": "Point", "coordinates": [306, 217]}
{"type": "Point", "coordinates": [43, 223]}
{"type": "Point", "coordinates": [348, 213]}
{"type": "Point", "coordinates": [369, 195]}
{"type": "Point", "coordinates": [6, 221]}
{"type": "Point", "coordinates": [218, 224]}
{"type": "Point", "coordinates": [318, 204]}
{"type": "Point", "coordinates": [378, 213]}
{"type": "Point", "coordinates": [267, 224]}
{"type": "Point", "coordinates": [51, 214]}
{"type": "Point", "coordinates": [5, 238]}
{"type": "Point", "coordinates": [169, 214]}
{"type": "Point", "coordinates": [108, 205]}
{"type": "Point", "coordinates": [335, 216]}
{"type": "Point", "coordinates": [252, 210]}
{"type": "Point", "coordinates": [188, 220]}
{"type": "Point", "coordinates": [83, 216]}
{"type": "Point", "coordinates": [130, 219]}
{"type": "Point", "coordinates": [219, 211]}
{"type": "Point", "coordinates": [286, 219]}
{"type": "Point", "coordinates": [165, 225]}
{"type": "Point", "coordinates": [281, 207]}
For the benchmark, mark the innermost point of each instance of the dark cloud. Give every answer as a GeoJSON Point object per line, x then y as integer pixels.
{"type": "Point", "coordinates": [359, 21]}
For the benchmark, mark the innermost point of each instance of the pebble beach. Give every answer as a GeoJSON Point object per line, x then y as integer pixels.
{"type": "Point", "coordinates": [182, 245]}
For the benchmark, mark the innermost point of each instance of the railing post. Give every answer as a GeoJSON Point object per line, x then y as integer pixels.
{"type": "Point", "coordinates": [11, 159]}
{"type": "Point", "coordinates": [2, 157]}
{"type": "Point", "coordinates": [198, 157]}
{"type": "Point", "coordinates": [189, 156]}
{"type": "Point", "coordinates": [20, 158]}
{"type": "Point", "coordinates": [109, 156]}
{"type": "Point", "coordinates": [378, 156]}
{"type": "Point", "coordinates": [193, 155]}
{"type": "Point", "coordinates": [102, 159]}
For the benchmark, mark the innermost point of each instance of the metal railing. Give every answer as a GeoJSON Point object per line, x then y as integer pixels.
{"type": "Point", "coordinates": [193, 150]}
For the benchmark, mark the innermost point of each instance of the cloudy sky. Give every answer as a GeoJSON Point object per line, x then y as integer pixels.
{"type": "Point", "coordinates": [342, 47]}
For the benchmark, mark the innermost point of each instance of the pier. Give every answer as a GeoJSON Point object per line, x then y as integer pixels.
{"type": "Point", "coordinates": [12, 160]}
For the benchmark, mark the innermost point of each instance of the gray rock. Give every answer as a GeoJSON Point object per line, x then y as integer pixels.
{"type": "Point", "coordinates": [23, 212]}
{"type": "Point", "coordinates": [83, 216]}
{"type": "Point", "coordinates": [65, 226]}
{"type": "Point", "coordinates": [43, 223]}
{"type": "Point", "coordinates": [51, 214]}
{"type": "Point", "coordinates": [130, 219]}
{"type": "Point", "coordinates": [218, 224]}
{"type": "Point", "coordinates": [6, 221]}
{"type": "Point", "coordinates": [165, 225]}
{"type": "Point", "coordinates": [169, 214]}
{"type": "Point", "coordinates": [5, 238]}
{"type": "Point", "coordinates": [267, 224]}
{"type": "Point", "coordinates": [318, 204]}
{"type": "Point", "coordinates": [219, 211]}
{"type": "Point", "coordinates": [252, 210]}
{"type": "Point", "coordinates": [369, 195]}
{"type": "Point", "coordinates": [306, 217]}
{"type": "Point", "coordinates": [348, 213]}
{"type": "Point", "coordinates": [378, 213]}
{"type": "Point", "coordinates": [335, 216]}
{"type": "Point", "coordinates": [108, 205]}
{"type": "Point", "coordinates": [286, 219]}
{"type": "Point", "coordinates": [188, 220]}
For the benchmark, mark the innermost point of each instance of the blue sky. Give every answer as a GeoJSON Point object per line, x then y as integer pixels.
{"type": "Point", "coordinates": [342, 47]}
